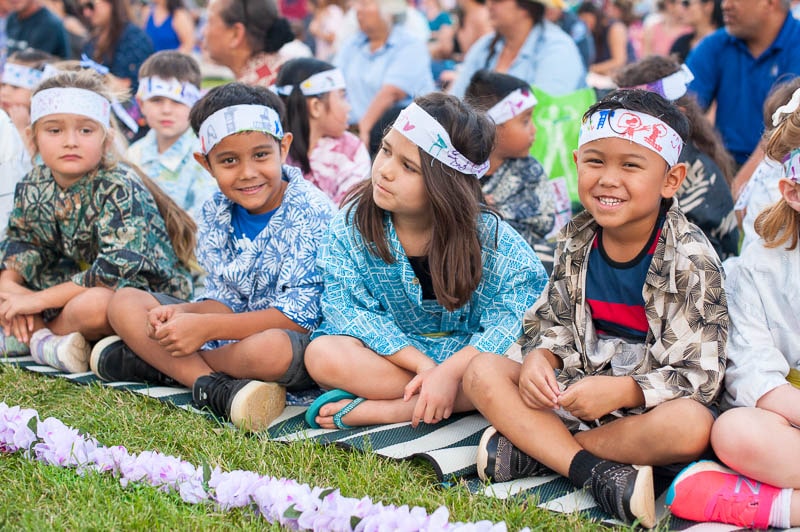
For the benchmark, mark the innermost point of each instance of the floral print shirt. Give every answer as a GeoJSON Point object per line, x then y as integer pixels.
{"type": "Point", "coordinates": [104, 230]}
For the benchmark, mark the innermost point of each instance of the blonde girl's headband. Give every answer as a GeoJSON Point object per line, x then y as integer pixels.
{"type": "Point", "coordinates": [181, 92]}
{"type": "Point", "coordinates": [238, 118]}
{"type": "Point", "coordinates": [319, 83]}
{"type": "Point", "coordinates": [512, 105]}
{"type": "Point", "coordinates": [423, 130]}
{"type": "Point", "coordinates": [791, 165]}
{"type": "Point", "coordinates": [643, 129]}
{"type": "Point", "coordinates": [70, 100]}
{"type": "Point", "coordinates": [670, 87]}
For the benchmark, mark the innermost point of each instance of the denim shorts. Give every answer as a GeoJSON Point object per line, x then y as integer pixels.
{"type": "Point", "coordinates": [296, 377]}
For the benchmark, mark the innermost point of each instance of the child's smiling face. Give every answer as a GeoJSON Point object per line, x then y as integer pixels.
{"type": "Point", "coordinates": [247, 167]}
{"type": "Point", "coordinates": [621, 184]}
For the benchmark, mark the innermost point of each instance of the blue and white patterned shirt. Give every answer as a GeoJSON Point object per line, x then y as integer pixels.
{"type": "Point", "coordinates": [175, 171]}
{"type": "Point", "coordinates": [381, 304]}
{"type": "Point", "coordinates": [279, 269]}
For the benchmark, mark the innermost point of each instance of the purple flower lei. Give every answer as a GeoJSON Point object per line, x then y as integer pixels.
{"type": "Point", "coordinates": [285, 501]}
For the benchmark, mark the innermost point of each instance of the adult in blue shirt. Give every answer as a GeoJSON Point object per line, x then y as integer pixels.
{"type": "Point", "coordinates": [527, 46]}
{"type": "Point", "coordinates": [31, 25]}
{"type": "Point", "coordinates": [383, 64]}
{"type": "Point", "coordinates": [737, 66]}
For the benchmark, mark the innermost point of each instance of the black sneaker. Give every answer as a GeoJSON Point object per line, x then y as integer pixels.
{"type": "Point", "coordinates": [499, 461]}
{"type": "Point", "coordinates": [112, 360]}
{"type": "Point", "coordinates": [625, 491]}
{"type": "Point", "coordinates": [248, 404]}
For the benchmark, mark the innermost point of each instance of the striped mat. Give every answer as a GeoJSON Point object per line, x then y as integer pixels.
{"type": "Point", "coordinates": [450, 447]}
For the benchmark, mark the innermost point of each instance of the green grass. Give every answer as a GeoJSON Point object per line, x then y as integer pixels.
{"type": "Point", "coordinates": [34, 496]}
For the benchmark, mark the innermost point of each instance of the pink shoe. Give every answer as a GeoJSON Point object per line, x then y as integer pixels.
{"type": "Point", "coordinates": [708, 491]}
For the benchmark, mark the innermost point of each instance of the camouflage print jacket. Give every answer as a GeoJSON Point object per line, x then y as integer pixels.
{"type": "Point", "coordinates": [684, 353]}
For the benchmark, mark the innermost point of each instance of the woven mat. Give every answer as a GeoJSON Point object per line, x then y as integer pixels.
{"type": "Point", "coordinates": [449, 446]}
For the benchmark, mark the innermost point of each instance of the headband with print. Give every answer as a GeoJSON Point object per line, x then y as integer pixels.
{"type": "Point", "coordinates": [21, 76]}
{"type": "Point", "coordinates": [423, 130]}
{"type": "Point", "coordinates": [238, 118]}
{"type": "Point", "coordinates": [70, 100]}
{"type": "Point", "coordinates": [181, 92]}
{"type": "Point", "coordinates": [791, 165]}
{"type": "Point", "coordinates": [319, 83]}
{"type": "Point", "coordinates": [512, 105]}
{"type": "Point", "coordinates": [641, 128]}
{"type": "Point", "coordinates": [669, 87]}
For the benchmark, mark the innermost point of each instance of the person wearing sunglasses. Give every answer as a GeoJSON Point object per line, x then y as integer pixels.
{"type": "Point", "coordinates": [116, 42]}
{"type": "Point", "coordinates": [31, 25]}
{"type": "Point", "coordinates": [705, 17]}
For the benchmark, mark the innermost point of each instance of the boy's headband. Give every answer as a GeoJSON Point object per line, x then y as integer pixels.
{"type": "Point", "coordinates": [21, 76]}
{"type": "Point", "coordinates": [643, 129]}
{"type": "Point", "coordinates": [787, 109]}
{"type": "Point", "coordinates": [319, 83]}
{"type": "Point", "coordinates": [181, 92]}
{"type": "Point", "coordinates": [238, 118]}
{"type": "Point", "coordinates": [512, 105]}
{"type": "Point", "coordinates": [791, 165]}
{"type": "Point", "coordinates": [670, 87]}
{"type": "Point", "coordinates": [423, 130]}
{"type": "Point", "coordinates": [70, 100]}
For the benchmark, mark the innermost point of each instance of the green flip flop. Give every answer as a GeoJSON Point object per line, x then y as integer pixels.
{"type": "Point", "coordinates": [330, 396]}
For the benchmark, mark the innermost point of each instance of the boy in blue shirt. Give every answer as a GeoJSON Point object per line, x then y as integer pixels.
{"type": "Point", "coordinates": [169, 85]}
{"type": "Point", "coordinates": [243, 343]}
{"type": "Point", "coordinates": [624, 351]}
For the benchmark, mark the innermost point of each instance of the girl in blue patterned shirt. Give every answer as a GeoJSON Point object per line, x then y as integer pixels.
{"type": "Point", "coordinates": [419, 276]}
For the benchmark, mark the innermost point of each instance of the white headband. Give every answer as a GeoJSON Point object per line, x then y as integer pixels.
{"type": "Point", "coordinates": [238, 118]}
{"type": "Point", "coordinates": [70, 100]}
{"type": "Point", "coordinates": [787, 109]}
{"type": "Point", "coordinates": [181, 92]}
{"type": "Point", "coordinates": [643, 129]}
{"type": "Point", "coordinates": [319, 83]}
{"type": "Point", "coordinates": [791, 166]}
{"type": "Point", "coordinates": [512, 105]}
{"type": "Point", "coordinates": [670, 87]}
{"type": "Point", "coordinates": [21, 76]}
{"type": "Point", "coordinates": [423, 130]}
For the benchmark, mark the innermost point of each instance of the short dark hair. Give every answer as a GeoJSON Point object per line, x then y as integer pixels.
{"type": "Point", "coordinates": [233, 94]}
{"type": "Point", "coordinates": [644, 102]}
{"type": "Point", "coordinates": [168, 64]}
{"type": "Point", "coordinates": [31, 57]}
{"type": "Point", "coordinates": [293, 73]}
{"type": "Point", "coordinates": [487, 88]}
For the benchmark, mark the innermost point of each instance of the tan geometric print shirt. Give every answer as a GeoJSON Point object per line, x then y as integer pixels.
{"type": "Point", "coordinates": [687, 316]}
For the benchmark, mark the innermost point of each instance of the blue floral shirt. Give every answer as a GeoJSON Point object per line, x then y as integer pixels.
{"type": "Point", "coordinates": [278, 269]}
{"type": "Point", "coordinates": [175, 171]}
{"type": "Point", "coordinates": [381, 304]}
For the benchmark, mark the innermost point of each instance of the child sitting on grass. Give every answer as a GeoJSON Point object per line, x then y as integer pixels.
{"type": "Point", "coordinates": [760, 438]}
{"type": "Point", "coordinates": [624, 351]}
{"type": "Point", "coordinates": [83, 226]}
{"type": "Point", "coordinates": [242, 344]}
{"type": "Point", "coordinates": [169, 85]}
{"type": "Point", "coordinates": [516, 184]}
{"type": "Point", "coordinates": [419, 276]}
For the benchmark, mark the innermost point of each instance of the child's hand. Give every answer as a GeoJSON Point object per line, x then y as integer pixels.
{"type": "Point", "coordinates": [13, 305]}
{"type": "Point", "coordinates": [592, 397]}
{"type": "Point", "coordinates": [538, 386]}
{"type": "Point", "coordinates": [159, 316]}
{"type": "Point", "coordinates": [437, 392]}
{"type": "Point", "coordinates": [21, 327]}
{"type": "Point", "coordinates": [183, 334]}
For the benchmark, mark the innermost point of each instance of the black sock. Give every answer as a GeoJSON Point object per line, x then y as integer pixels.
{"type": "Point", "coordinates": [580, 469]}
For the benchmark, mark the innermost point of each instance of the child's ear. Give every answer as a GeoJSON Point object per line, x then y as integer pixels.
{"type": "Point", "coordinates": [673, 180]}
{"type": "Point", "coordinates": [790, 192]}
{"type": "Point", "coordinates": [286, 143]}
{"type": "Point", "coordinates": [315, 107]}
{"type": "Point", "coordinates": [202, 161]}
{"type": "Point", "coordinates": [575, 157]}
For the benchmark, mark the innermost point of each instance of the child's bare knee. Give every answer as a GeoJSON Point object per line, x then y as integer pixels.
{"type": "Point", "coordinates": [732, 435]}
{"type": "Point", "coordinates": [474, 382]}
{"type": "Point", "coordinates": [317, 357]}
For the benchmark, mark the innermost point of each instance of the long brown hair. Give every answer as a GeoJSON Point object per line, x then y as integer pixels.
{"type": "Point", "coordinates": [108, 37]}
{"type": "Point", "coordinates": [780, 223]}
{"type": "Point", "coordinates": [180, 226]}
{"type": "Point", "coordinates": [703, 134]}
{"type": "Point", "coordinates": [454, 252]}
